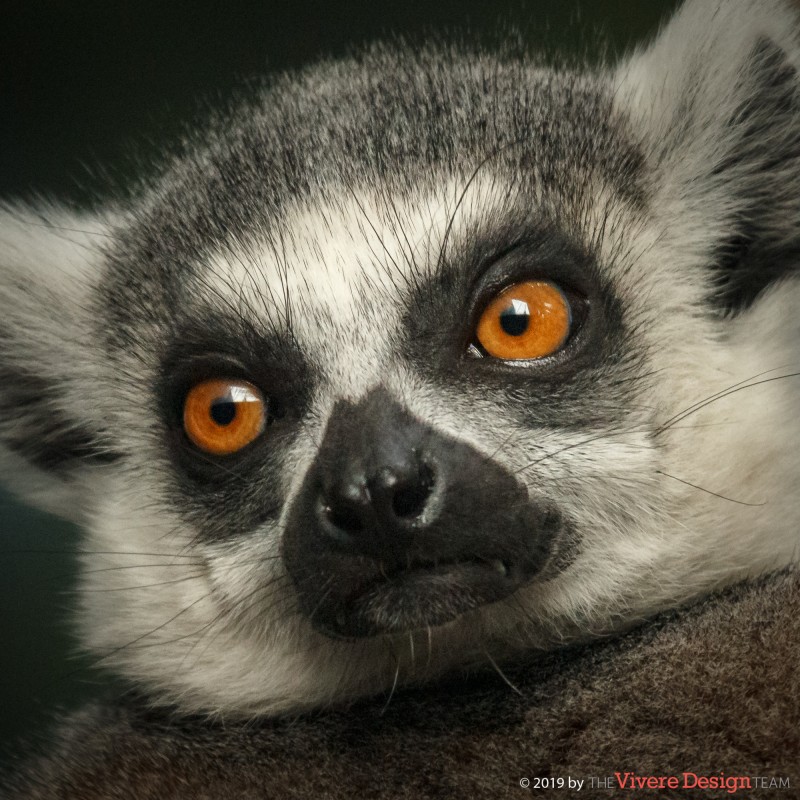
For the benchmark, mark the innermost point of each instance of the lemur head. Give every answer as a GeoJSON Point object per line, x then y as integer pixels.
{"type": "Point", "coordinates": [421, 360]}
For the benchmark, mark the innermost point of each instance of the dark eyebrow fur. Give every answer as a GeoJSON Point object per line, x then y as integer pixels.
{"type": "Point", "coordinates": [215, 343]}
{"type": "Point", "coordinates": [222, 332]}
{"type": "Point", "coordinates": [443, 301]}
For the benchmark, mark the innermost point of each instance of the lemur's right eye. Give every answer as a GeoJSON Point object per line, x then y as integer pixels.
{"type": "Point", "coordinates": [224, 416]}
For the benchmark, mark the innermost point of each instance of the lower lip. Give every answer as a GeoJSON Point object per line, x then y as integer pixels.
{"type": "Point", "coordinates": [419, 598]}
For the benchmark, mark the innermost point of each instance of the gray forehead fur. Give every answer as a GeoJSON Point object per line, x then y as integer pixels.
{"type": "Point", "coordinates": [391, 121]}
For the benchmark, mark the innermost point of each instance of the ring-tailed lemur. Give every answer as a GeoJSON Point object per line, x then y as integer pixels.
{"type": "Point", "coordinates": [421, 360]}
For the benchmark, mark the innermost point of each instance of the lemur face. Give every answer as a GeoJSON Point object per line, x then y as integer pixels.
{"type": "Point", "coordinates": [422, 361]}
{"type": "Point", "coordinates": [399, 409]}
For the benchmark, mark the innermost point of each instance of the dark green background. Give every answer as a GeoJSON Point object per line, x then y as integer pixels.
{"type": "Point", "coordinates": [88, 91]}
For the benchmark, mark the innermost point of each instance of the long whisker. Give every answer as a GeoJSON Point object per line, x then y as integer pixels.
{"type": "Point", "coordinates": [502, 675]}
{"type": "Point", "coordinates": [110, 654]}
{"type": "Point", "coordinates": [393, 689]}
{"type": "Point", "coordinates": [738, 387]}
{"type": "Point", "coordinates": [707, 491]}
{"type": "Point", "coordinates": [462, 196]}
{"type": "Point", "coordinates": [143, 585]}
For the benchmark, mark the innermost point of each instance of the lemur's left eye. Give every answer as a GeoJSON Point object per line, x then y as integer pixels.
{"type": "Point", "coordinates": [528, 320]}
{"type": "Point", "coordinates": [224, 416]}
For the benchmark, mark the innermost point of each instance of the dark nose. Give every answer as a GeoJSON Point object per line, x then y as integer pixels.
{"type": "Point", "coordinates": [397, 526]}
{"type": "Point", "coordinates": [375, 505]}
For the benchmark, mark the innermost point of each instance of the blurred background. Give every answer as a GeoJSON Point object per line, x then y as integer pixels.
{"type": "Point", "coordinates": [90, 92]}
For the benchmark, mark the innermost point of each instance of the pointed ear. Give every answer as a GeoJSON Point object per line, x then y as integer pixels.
{"type": "Point", "coordinates": [718, 97]}
{"type": "Point", "coordinates": [52, 438]}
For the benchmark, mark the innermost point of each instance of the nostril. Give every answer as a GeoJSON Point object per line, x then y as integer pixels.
{"type": "Point", "coordinates": [410, 501]}
{"type": "Point", "coordinates": [359, 513]}
{"type": "Point", "coordinates": [344, 519]}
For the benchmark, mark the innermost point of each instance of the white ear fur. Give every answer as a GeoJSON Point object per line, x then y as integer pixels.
{"type": "Point", "coordinates": [707, 75]}
{"type": "Point", "coordinates": [717, 98]}
{"type": "Point", "coordinates": [700, 58]}
{"type": "Point", "coordinates": [49, 262]}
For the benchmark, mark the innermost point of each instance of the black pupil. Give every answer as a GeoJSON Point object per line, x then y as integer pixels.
{"type": "Point", "coordinates": [223, 411]}
{"type": "Point", "coordinates": [515, 319]}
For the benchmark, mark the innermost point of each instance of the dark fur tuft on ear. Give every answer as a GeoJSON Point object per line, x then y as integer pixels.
{"type": "Point", "coordinates": [765, 245]}
{"type": "Point", "coordinates": [36, 428]}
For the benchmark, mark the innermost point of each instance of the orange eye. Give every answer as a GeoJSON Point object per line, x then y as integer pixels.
{"type": "Point", "coordinates": [223, 416]}
{"type": "Point", "coordinates": [528, 320]}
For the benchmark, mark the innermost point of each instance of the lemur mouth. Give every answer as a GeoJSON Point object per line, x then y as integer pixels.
{"type": "Point", "coordinates": [422, 595]}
